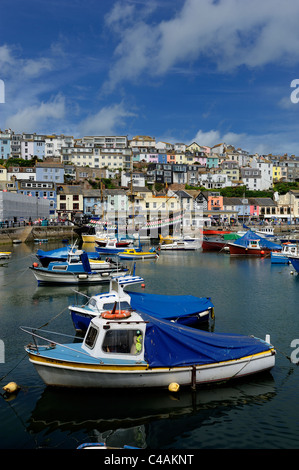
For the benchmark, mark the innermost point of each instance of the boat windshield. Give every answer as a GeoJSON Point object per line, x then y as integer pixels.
{"type": "Point", "coordinates": [124, 305]}
{"type": "Point", "coordinates": [124, 341]}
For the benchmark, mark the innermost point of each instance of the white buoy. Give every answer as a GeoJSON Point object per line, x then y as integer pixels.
{"type": "Point", "coordinates": [267, 339]}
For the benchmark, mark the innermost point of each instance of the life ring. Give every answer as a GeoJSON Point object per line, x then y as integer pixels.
{"type": "Point", "coordinates": [117, 314]}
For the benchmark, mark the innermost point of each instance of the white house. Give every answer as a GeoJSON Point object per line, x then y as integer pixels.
{"type": "Point", "coordinates": [266, 169]}
{"type": "Point", "coordinates": [214, 181]}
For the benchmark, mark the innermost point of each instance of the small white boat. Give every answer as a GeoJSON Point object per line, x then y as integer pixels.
{"type": "Point", "coordinates": [181, 245]}
{"type": "Point", "coordinates": [139, 351]}
{"type": "Point", "coordinates": [266, 231]}
{"type": "Point", "coordinates": [113, 247]}
{"type": "Point", "coordinates": [104, 239]}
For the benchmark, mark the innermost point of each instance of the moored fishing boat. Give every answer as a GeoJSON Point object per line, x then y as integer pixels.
{"type": "Point", "coordinates": [281, 257]}
{"type": "Point", "coordinates": [140, 351]}
{"type": "Point", "coordinates": [252, 244]}
{"type": "Point", "coordinates": [218, 243]}
{"type": "Point", "coordinates": [74, 271]}
{"type": "Point", "coordinates": [61, 254]}
{"type": "Point", "coordinates": [5, 254]}
{"type": "Point", "coordinates": [183, 309]}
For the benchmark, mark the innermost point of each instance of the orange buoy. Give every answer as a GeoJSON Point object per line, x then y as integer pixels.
{"type": "Point", "coordinates": [143, 286]}
{"type": "Point", "coordinates": [35, 265]}
{"type": "Point", "coordinates": [116, 315]}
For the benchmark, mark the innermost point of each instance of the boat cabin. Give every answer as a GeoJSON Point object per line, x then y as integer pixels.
{"type": "Point", "coordinates": [116, 339]}
{"type": "Point", "coordinates": [253, 244]}
{"type": "Point", "coordinates": [106, 301]}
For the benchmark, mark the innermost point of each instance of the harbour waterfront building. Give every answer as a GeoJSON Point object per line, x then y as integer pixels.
{"type": "Point", "coordinates": [50, 171]}
{"type": "Point", "coordinates": [54, 145]}
{"type": "Point", "coordinates": [32, 145]}
{"type": "Point", "coordinates": [18, 207]}
{"type": "Point", "coordinates": [5, 145]}
{"type": "Point", "coordinates": [41, 190]}
{"type": "Point", "coordinates": [69, 201]}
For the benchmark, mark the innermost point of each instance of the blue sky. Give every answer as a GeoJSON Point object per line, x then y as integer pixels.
{"type": "Point", "coordinates": [177, 70]}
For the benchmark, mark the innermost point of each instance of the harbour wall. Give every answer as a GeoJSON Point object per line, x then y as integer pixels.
{"type": "Point", "coordinates": [31, 233]}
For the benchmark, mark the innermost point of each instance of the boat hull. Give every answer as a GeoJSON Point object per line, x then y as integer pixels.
{"type": "Point", "coordinates": [216, 232]}
{"type": "Point", "coordinates": [241, 250]}
{"type": "Point", "coordinates": [295, 262]}
{"type": "Point", "coordinates": [136, 256]}
{"type": "Point", "coordinates": [97, 375]}
{"type": "Point", "coordinates": [96, 277]}
{"type": "Point", "coordinates": [88, 238]}
{"type": "Point", "coordinates": [213, 245]}
{"type": "Point", "coordinates": [179, 246]}
{"type": "Point", "coordinates": [279, 258]}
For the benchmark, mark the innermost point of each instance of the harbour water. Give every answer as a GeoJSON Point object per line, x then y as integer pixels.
{"type": "Point", "coordinates": [251, 297]}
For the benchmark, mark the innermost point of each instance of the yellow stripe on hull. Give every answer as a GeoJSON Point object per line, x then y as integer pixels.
{"type": "Point", "coordinates": [76, 365]}
{"type": "Point", "coordinates": [141, 367]}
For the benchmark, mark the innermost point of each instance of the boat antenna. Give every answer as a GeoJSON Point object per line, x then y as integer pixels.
{"type": "Point", "coordinates": [114, 308]}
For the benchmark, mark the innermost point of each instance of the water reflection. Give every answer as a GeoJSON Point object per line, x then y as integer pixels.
{"type": "Point", "coordinates": [125, 417]}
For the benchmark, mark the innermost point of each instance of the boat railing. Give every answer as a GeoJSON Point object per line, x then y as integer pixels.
{"type": "Point", "coordinates": [51, 343]}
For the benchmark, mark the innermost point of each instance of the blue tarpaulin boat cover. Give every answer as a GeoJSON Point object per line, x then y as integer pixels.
{"type": "Point", "coordinates": [61, 254]}
{"type": "Point", "coordinates": [169, 306]}
{"type": "Point", "coordinates": [169, 344]}
{"type": "Point", "coordinates": [264, 242]}
{"type": "Point", "coordinates": [57, 253]}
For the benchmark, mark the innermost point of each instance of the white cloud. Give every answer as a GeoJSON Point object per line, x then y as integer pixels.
{"type": "Point", "coordinates": [275, 143]}
{"type": "Point", "coordinates": [105, 121]}
{"type": "Point", "coordinates": [229, 33]}
{"type": "Point", "coordinates": [33, 68]}
{"type": "Point", "coordinates": [214, 137]}
{"type": "Point", "coordinates": [38, 116]}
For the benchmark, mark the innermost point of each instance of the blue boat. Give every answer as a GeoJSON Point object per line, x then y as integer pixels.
{"type": "Point", "coordinates": [60, 254]}
{"type": "Point", "coordinates": [140, 351]}
{"type": "Point", "coordinates": [76, 270]}
{"type": "Point", "coordinates": [182, 309]}
{"type": "Point", "coordinates": [294, 259]}
{"type": "Point", "coordinates": [282, 257]}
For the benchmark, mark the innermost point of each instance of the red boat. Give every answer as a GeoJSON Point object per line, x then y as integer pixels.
{"type": "Point", "coordinates": [253, 248]}
{"type": "Point", "coordinates": [218, 231]}
{"type": "Point", "coordinates": [214, 244]}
